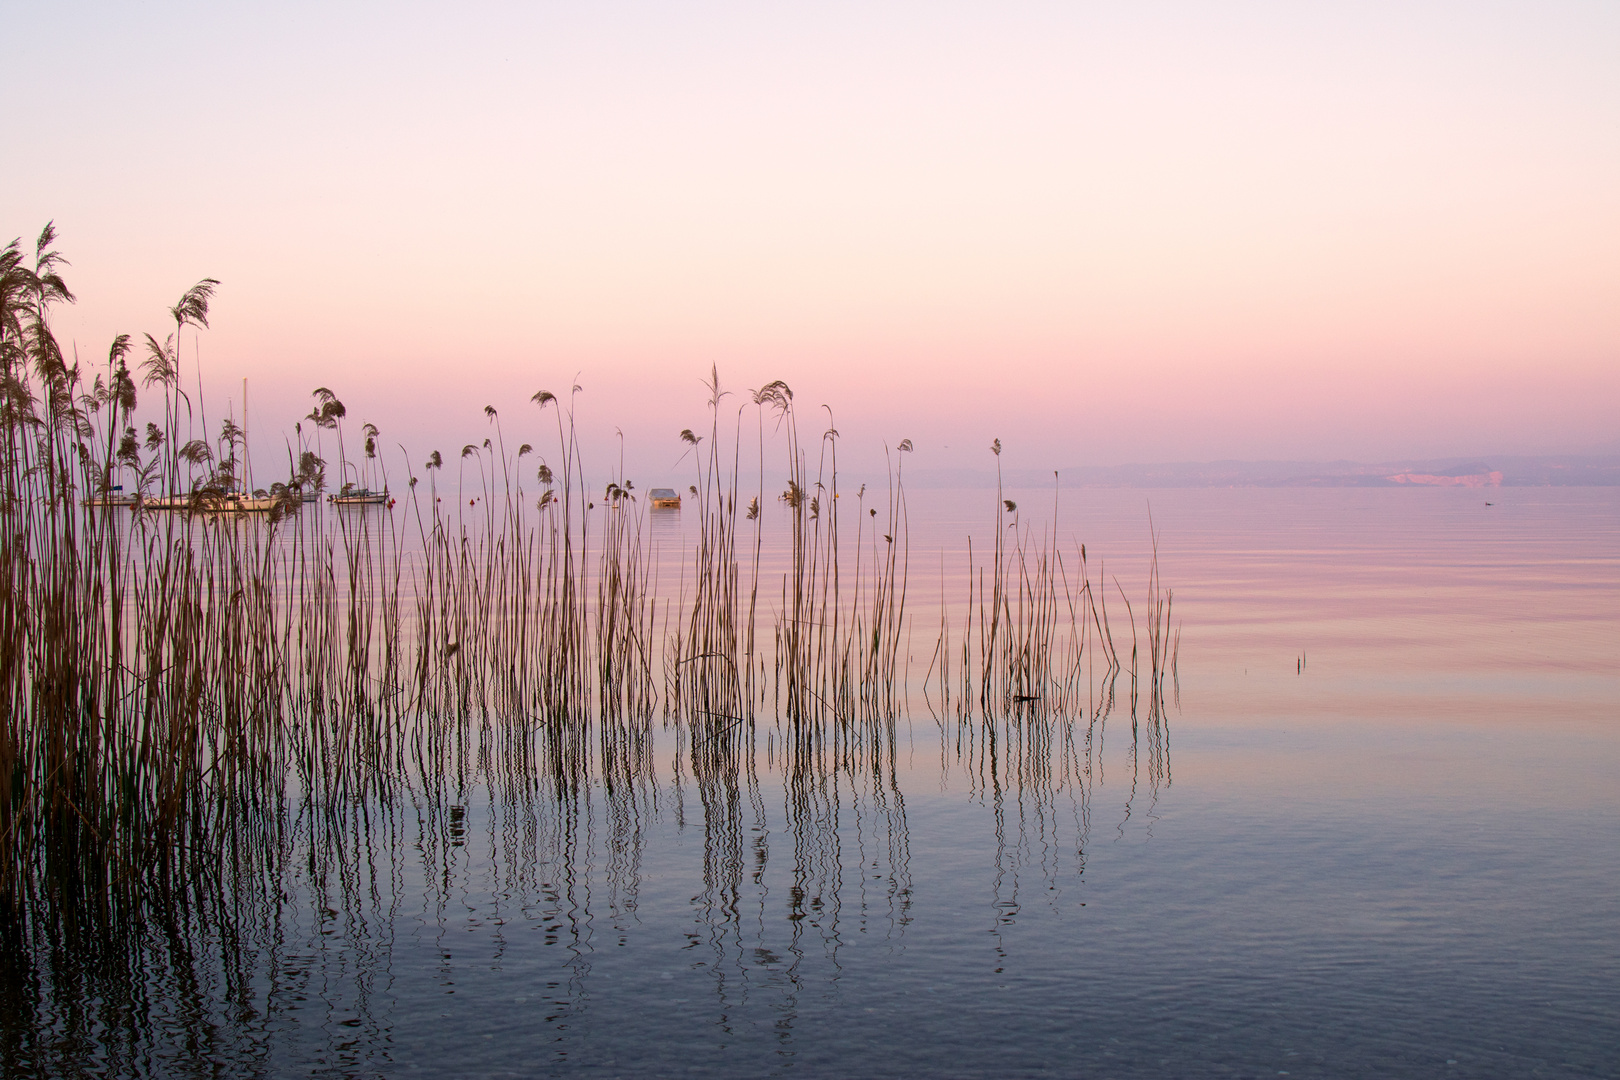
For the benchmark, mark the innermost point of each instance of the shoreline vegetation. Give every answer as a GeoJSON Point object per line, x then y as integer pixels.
{"type": "Point", "coordinates": [177, 673]}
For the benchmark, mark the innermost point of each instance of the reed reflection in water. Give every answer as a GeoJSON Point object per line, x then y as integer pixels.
{"type": "Point", "coordinates": [517, 886]}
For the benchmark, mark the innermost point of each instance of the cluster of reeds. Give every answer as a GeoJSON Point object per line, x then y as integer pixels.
{"type": "Point", "coordinates": [834, 639]}
{"type": "Point", "coordinates": [1035, 636]}
{"type": "Point", "coordinates": [139, 703]}
{"type": "Point", "coordinates": [173, 667]}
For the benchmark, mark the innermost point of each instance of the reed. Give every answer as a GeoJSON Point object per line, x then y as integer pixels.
{"type": "Point", "coordinates": [174, 670]}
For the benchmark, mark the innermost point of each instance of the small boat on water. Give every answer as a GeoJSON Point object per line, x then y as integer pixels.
{"type": "Point", "coordinates": [241, 504]}
{"type": "Point", "coordinates": [352, 496]}
{"type": "Point", "coordinates": [664, 497]}
{"type": "Point", "coordinates": [113, 496]}
{"type": "Point", "coordinates": [208, 503]}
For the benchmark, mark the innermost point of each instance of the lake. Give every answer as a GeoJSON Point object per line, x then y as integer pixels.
{"type": "Point", "coordinates": [1375, 832]}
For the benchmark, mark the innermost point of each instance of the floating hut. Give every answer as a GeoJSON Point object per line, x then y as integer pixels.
{"type": "Point", "coordinates": [664, 497]}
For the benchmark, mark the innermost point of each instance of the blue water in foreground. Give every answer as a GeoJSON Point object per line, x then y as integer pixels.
{"type": "Point", "coordinates": [1378, 836]}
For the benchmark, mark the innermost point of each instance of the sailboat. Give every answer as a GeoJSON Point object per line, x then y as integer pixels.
{"type": "Point", "coordinates": [239, 502]}
{"type": "Point", "coordinates": [352, 494]}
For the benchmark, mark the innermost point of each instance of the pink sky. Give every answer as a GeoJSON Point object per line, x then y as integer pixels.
{"type": "Point", "coordinates": [1101, 233]}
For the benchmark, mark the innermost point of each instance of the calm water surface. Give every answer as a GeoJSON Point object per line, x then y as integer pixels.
{"type": "Point", "coordinates": [1379, 835]}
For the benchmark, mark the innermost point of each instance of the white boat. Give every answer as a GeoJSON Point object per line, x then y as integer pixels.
{"type": "Point", "coordinates": [359, 497]}
{"type": "Point", "coordinates": [234, 503]}
{"type": "Point", "coordinates": [242, 504]}
{"type": "Point", "coordinates": [111, 497]}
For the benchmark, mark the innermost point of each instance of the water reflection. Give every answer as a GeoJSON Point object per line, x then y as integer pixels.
{"type": "Point", "coordinates": [332, 930]}
{"type": "Point", "coordinates": [1037, 772]}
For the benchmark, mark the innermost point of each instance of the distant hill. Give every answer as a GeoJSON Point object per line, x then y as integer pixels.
{"type": "Point", "coordinates": [1587, 470]}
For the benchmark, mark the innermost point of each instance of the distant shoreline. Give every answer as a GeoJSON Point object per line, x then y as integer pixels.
{"type": "Point", "coordinates": [1567, 470]}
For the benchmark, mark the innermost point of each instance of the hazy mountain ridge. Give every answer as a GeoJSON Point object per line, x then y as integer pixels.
{"type": "Point", "coordinates": [1573, 470]}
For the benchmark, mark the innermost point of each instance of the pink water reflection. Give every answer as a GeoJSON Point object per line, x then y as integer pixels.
{"type": "Point", "coordinates": [1501, 604]}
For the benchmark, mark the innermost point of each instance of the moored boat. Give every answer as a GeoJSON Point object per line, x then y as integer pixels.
{"type": "Point", "coordinates": [165, 502]}
{"type": "Point", "coordinates": [207, 503]}
{"type": "Point", "coordinates": [358, 497]}
{"type": "Point", "coordinates": [242, 504]}
{"type": "Point", "coordinates": [112, 497]}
